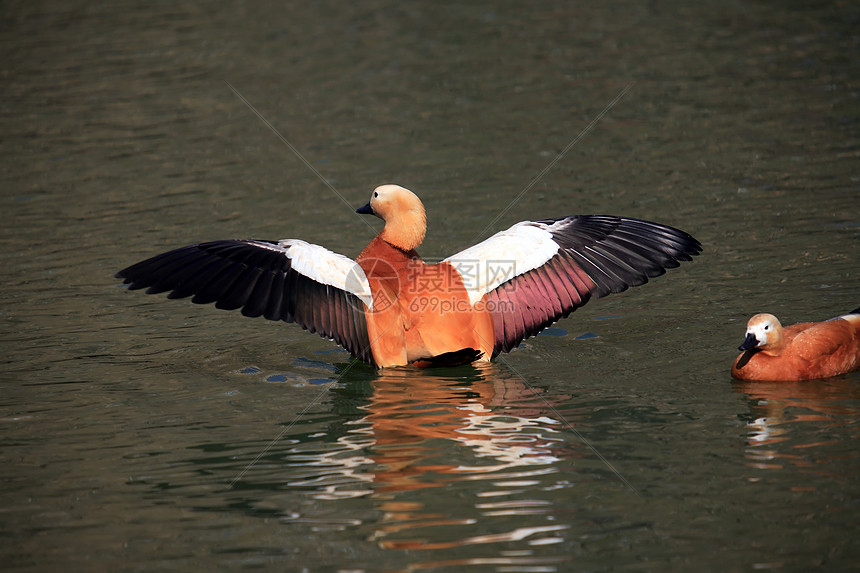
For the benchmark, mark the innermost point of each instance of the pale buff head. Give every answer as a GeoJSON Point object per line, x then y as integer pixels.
{"type": "Point", "coordinates": [764, 332]}
{"type": "Point", "coordinates": [403, 213]}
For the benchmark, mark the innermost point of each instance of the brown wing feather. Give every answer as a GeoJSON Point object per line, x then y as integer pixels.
{"type": "Point", "coordinates": [598, 255]}
{"type": "Point", "coordinates": [817, 341]}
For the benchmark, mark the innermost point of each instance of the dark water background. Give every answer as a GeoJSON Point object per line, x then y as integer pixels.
{"type": "Point", "coordinates": [140, 434]}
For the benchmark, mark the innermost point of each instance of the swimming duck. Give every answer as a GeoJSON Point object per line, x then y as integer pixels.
{"type": "Point", "coordinates": [388, 307]}
{"type": "Point", "coordinates": [800, 351]}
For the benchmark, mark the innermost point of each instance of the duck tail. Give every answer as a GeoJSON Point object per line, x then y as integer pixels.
{"type": "Point", "coordinates": [456, 358]}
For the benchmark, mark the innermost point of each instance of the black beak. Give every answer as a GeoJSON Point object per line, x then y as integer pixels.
{"type": "Point", "coordinates": [749, 342]}
{"type": "Point", "coordinates": [366, 210]}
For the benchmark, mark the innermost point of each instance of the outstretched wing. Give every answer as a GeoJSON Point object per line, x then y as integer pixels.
{"type": "Point", "coordinates": [288, 280]}
{"type": "Point", "coordinates": [537, 272]}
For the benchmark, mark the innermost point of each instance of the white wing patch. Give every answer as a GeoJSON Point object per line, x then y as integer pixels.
{"type": "Point", "coordinates": [505, 255]}
{"type": "Point", "coordinates": [852, 317]}
{"type": "Point", "coordinates": [328, 268]}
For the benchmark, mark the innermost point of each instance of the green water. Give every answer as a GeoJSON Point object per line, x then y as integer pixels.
{"type": "Point", "coordinates": [141, 434]}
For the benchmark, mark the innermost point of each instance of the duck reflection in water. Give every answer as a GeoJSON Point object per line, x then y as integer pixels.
{"type": "Point", "coordinates": [777, 410]}
{"type": "Point", "coordinates": [446, 453]}
{"type": "Point", "coordinates": [409, 414]}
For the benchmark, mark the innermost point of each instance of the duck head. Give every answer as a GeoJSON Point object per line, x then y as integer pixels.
{"type": "Point", "coordinates": [764, 332]}
{"type": "Point", "coordinates": [403, 213]}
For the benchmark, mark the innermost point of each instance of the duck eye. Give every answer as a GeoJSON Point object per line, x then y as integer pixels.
{"type": "Point", "coordinates": [767, 327]}
{"type": "Point", "coordinates": [376, 193]}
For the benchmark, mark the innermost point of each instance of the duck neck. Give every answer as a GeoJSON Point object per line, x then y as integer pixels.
{"type": "Point", "coordinates": [407, 231]}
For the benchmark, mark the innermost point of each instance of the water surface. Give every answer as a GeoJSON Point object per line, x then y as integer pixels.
{"type": "Point", "coordinates": [145, 434]}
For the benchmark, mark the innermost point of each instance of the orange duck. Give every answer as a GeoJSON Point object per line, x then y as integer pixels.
{"type": "Point", "coordinates": [390, 308]}
{"type": "Point", "coordinates": [800, 351]}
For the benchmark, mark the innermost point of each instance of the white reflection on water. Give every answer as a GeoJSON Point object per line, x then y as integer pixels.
{"type": "Point", "coordinates": [510, 440]}
{"type": "Point", "coordinates": [340, 471]}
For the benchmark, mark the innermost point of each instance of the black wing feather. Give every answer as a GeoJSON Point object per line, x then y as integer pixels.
{"type": "Point", "coordinates": [258, 277]}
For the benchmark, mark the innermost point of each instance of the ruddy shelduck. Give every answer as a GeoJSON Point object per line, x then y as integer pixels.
{"type": "Point", "coordinates": [799, 352]}
{"type": "Point", "coordinates": [388, 307]}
